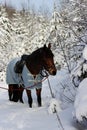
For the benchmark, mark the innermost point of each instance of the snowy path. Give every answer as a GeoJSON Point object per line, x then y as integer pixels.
{"type": "Point", "coordinates": [17, 116]}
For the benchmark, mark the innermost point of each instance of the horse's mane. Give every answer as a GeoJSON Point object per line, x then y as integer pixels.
{"type": "Point", "coordinates": [34, 55]}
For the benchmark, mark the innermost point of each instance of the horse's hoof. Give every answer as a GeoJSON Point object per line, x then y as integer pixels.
{"type": "Point", "coordinates": [10, 99]}
{"type": "Point", "coordinates": [14, 100]}
{"type": "Point", "coordinates": [39, 105]}
{"type": "Point", "coordinates": [30, 106]}
{"type": "Point", "coordinates": [21, 101]}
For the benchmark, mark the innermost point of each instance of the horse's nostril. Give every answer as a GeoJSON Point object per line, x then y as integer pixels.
{"type": "Point", "coordinates": [54, 72]}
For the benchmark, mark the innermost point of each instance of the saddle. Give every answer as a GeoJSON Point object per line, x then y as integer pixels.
{"type": "Point", "coordinates": [20, 64]}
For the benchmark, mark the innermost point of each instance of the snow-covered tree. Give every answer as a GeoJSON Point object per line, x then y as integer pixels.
{"type": "Point", "coordinates": [74, 18]}
{"type": "Point", "coordinates": [23, 33]}
{"type": "Point", "coordinates": [6, 30]}
{"type": "Point", "coordinates": [69, 28]}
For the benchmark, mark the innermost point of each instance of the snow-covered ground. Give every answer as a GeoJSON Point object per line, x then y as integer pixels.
{"type": "Point", "coordinates": [17, 116]}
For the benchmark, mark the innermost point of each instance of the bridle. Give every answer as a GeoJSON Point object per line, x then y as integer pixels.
{"type": "Point", "coordinates": [44, 73]}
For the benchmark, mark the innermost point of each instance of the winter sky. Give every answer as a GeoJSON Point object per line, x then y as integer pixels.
{"type": "Point", "coordinates": [33, 3]}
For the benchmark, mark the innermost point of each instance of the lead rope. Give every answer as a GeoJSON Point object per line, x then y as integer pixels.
{"type": "Point", "coordinates": [58, 118]}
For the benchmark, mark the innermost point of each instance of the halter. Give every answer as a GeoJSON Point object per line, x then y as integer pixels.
{"type": "Point", "coordinates": [44, 73]}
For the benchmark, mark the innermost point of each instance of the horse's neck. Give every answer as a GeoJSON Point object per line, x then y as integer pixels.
{"type": "Point", "coordinates": [34, 64]}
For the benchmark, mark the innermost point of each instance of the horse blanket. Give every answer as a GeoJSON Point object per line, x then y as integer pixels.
{"type": "Point", "coordinates": [25, 78]}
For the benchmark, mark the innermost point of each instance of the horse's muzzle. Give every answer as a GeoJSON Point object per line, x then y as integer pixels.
{"type": "Point", "coordinates": [54, 73]}
{"type": "Point", "coordinates": [52, 70]}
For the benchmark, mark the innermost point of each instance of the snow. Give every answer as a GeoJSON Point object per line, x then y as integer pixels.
{"type": "Point", "coordinates": [54, 105]}
{"type": "Point", "coordinates": [85, 53]}
{"type": "Point", "coordinates": [18, 116]}
{"type": "Point", "coordinates": [80, 104]}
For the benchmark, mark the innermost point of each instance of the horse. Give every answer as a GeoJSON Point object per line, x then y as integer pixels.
{"type": "Point", "coordinates": [32, 67]}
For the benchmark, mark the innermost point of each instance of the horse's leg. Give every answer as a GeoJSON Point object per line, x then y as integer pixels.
{"type": "Point", "coordinates": [29, 97]}
{"type": "Point", "coordinates": [21, 89]}
{"type": "Point", "coordinates": [15, 93]}
{"type": "Point", "coordinates": [38, 92]}
{"type": "Point", "coordinates": [10, 91]}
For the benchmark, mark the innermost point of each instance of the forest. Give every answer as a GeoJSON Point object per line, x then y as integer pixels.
{"type": "Point", "coordinates": [23, 31]}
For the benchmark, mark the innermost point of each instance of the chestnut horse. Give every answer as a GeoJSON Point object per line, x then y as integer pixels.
{"type": "Point", "coordinates": [33, 65]}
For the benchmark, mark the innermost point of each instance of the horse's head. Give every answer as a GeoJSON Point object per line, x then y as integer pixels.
{"type": "Point", "coordinates": [48, 60]}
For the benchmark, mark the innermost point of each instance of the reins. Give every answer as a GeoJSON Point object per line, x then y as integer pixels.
{"type": "Point", "coordinates": [44, 74]}
{"type": "Point", "coordinates": [28, 86]}
{"type": "Point", "coordinates": [36, 83]}
{"type": "Point", "coordinates": [4, 88]}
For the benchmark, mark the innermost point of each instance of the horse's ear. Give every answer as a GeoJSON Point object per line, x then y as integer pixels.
{"type": "Point", "coordinates": [45, 46]}
{"type": "Point", "coordinates": [49, 45]}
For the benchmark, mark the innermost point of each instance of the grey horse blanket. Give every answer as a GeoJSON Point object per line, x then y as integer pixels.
{"type": "Point", "coordinates": [25, 78]}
